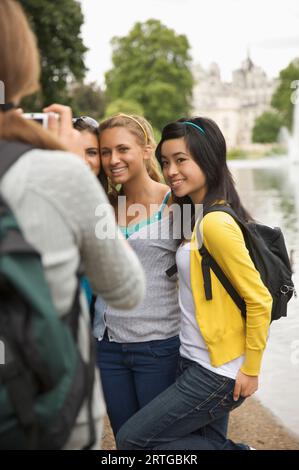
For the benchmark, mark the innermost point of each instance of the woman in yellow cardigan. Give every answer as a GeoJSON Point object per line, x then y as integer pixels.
{"type": "Point", "coordinates": [221, 351]}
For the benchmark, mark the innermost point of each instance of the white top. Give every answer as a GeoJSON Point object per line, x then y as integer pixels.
{"type": "Point", "coordinates": [193, 346]}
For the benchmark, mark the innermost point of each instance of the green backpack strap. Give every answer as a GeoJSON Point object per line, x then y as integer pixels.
{"type": "Point", "coordinates": [10, 152]}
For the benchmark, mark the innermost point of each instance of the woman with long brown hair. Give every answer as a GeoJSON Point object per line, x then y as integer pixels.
{"type": "Point", "coordinates": [53, 195]}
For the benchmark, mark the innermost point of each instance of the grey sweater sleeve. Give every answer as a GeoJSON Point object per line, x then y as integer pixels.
{"type": "Point", "coordinates": [65, 214]}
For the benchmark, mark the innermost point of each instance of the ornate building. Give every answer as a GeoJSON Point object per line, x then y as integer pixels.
{"type": "Point", "coordinates": [234, 105]}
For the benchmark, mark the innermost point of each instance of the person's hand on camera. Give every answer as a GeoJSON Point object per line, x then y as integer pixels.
{"type": "Point", "coordinates": [63, 128]}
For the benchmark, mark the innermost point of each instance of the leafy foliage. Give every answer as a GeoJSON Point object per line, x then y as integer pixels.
{"type": "Point", "coordinates": [57, 27]}
{"type": "Point", "coordinates": [151, 65]}
{"type": "Point", "coordinates": [266, 127]}
{"type": "Point", "coordinates": [282, 99]}
{"type": "Point", "coordinates": [88, 100]}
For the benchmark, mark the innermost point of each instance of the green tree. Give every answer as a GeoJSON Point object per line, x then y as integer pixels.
{"type": "Point", "coordinates": [282, 98]}
{"type": "Point", "coordinates": [57, 27]}
{"type": "Point", "coordinates": [124, 106]}
{"type": "Point", "coordinates": [266, 127]}
{"type": "Point", "coordinates": [151, 65]}
{"type": "Point", "coordinates": [88, 100]}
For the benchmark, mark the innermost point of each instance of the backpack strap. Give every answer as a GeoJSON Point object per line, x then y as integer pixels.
{"type": "Point", "coordinates": [208, 262]}
{"type": "Point", "coordinates": [10, 152]}
{"type": "Point", "coordinates": [172, 270]}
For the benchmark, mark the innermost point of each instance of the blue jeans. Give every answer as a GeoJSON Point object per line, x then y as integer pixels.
{"type": "Point", "coordinates": [132, 374]}
{"type": "Point", "coordinates": [191, 414]}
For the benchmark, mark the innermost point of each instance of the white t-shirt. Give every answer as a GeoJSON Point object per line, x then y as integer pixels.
{"type": "Point", "coordinates": [193, 346]}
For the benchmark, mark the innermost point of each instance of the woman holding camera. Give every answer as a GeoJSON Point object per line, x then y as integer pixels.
{"type": "Point", "coordinates": [53, 196]}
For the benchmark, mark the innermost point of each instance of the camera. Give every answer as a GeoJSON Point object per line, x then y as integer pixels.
{"type": "Point", "coordinates": [40, 118]}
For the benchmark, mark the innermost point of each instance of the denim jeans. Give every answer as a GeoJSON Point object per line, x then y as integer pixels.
{"type": "Point", "coordinates": [190, 415]}
{"type": "Point", "coordinates": [132, 374]}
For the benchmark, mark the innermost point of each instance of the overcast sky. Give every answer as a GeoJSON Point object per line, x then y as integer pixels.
{"type": "Point", "coordinates": [218, 30]}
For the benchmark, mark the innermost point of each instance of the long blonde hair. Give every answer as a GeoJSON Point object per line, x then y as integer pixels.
{"type": "Point", "coordinates": [19, 72]}
{"type": "Point", "coordinates": [143, 132]}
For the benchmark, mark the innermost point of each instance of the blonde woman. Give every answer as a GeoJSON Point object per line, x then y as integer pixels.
{"type": "Point", "coordinates": [138, 350]}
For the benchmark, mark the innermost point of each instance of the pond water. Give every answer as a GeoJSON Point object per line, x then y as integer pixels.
{"type": "Point", "coordinates": [269, 189]}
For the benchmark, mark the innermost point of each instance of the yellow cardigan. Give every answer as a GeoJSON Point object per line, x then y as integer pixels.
{"type": "Point", "coordinates": [226, 333]}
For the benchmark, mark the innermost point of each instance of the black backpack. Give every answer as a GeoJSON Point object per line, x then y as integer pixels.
{"type": "Point", "coordinates": [268, 252]}
{"type": "Point", "coordinates": [43, 378]}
